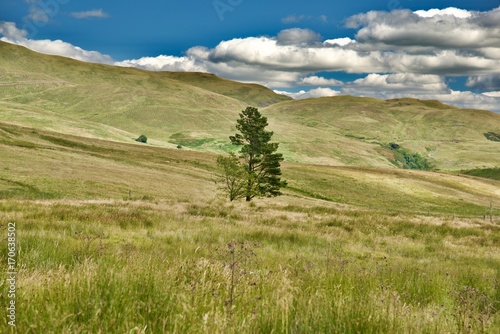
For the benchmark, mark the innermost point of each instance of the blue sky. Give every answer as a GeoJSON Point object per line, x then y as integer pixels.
{"type": "Point", "coordinates": [379, 48]}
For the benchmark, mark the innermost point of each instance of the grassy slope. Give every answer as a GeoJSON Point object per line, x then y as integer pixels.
{"type": "Point", "coordinates": [252, 94]}
{"type": "Point", "coordinates": [39, 164]}
{"type": "Point", "coordinates": [488, 173]}
{"type": "Point", "coordinates": [350, 130]}
{"type": "Point", "coordinates": [130, 100]}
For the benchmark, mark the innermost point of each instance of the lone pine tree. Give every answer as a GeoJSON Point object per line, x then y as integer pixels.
{"type": "Point", "coordinates": [262, 163]}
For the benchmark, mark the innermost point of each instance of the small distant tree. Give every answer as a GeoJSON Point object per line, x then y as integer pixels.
{"type": "Point", "coordinates": [234, 176]}
{"type": "Point", "coordinates": [394, 146]}
{"type": "Point", "coordinates": [260, 160]}
{"type": "Point", "coordinates": [142, 139]}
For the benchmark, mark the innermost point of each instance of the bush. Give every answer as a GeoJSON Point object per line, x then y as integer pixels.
{"type": "Point", "coordinates": [410, 160]}
{"type": "Point", "coordinates": [394, 146]}
{"type": "Point", "coordinates": [492, 136]}
{"type": "Point", "coordinates": [142, 139]}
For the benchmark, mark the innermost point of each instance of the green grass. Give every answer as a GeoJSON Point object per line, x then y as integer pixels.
{"type": "Point", "coordinates": [489, 173]}
{"type": "Point", "coordinates": [121, 266]}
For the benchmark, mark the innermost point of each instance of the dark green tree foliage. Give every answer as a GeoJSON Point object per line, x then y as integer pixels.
{"type": "Point", "coordinates": [394, 146]}
{"type": "Point", "coordinates": [234, 176]}
{"type": "Point", "coordinates": [411, 160]}
{"type": "Point", "coordinates": [262, 163]}
{"type": "Point", "coordinates": [142, 139]}
{"type": "Point", "coordinates": [492, 136]}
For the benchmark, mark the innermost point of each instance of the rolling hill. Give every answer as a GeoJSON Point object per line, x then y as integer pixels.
{"type": "Point", "coordinates": [198, 111]}
{"type": "Point", "coordinates": [350, 130]}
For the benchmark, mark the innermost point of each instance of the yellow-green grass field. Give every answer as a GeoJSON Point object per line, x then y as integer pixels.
{"type": "Point", "coordinates": [133, 238]}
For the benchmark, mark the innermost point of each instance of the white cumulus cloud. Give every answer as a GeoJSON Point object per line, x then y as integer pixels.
{"type": "Point", "coordinates": [441, 29]}
{"type": "Point", "coordinates": [12, 34]}
{"type": "Point", "coordinates": [313, 93]}
{"type": "Point", "coordinates": [297, 36]}
{"type": "Point", "coordinates": [451, 11]}
{"type": "Point", "coordinates": [314, 80]}
{"type": "Point", "coordinates": [165, 63]}
{"type": "Point", "coordinates": [492, 94]}
{"type": "Point", "coordinates": [339, 41]}
{"type": "Point", "coordinates": [400, 82]}
{"type": "Point", "coordinates": [484, 82]}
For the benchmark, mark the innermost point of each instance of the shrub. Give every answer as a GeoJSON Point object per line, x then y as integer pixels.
{"type": "Point", "coordinates": [410, 160]}
{"type": "Point", "coordinates": [492, 136]}
{"type": "Point", "coordinates": [142, 139]}
{"type": "Point", "coordinates": [394, 146]}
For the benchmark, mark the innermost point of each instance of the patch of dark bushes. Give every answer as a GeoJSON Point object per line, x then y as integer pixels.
{"type": "Point", "coordinates": [406, 159]}
{"type": "Point", "coordinates": [493, 136]}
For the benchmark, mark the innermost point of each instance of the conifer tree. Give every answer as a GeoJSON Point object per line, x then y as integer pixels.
{"type": "Point", "coordinates": [262, 163]}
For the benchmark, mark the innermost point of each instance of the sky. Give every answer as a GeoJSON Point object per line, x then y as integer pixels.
{"type": "Point", "coordinates": [441, 49]}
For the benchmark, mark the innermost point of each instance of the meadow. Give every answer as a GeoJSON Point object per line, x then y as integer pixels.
{"type": "Point", "coordinates": [274, 266]}
{"type": "Point", "coordinates": [131, 238]}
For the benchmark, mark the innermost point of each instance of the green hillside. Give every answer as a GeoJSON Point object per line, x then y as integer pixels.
{"type": "Point", "coordinates": [488, 173]}
{"type": "Point", "coordinates": [252, 94]}
{"type": "Point", "coordinates": [130, 100]}
{"type": "Point", "coordinates": [198, 111]}
{"type": "Point", "coordinates": [356, 131]}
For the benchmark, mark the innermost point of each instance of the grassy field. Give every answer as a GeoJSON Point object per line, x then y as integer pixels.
{"type": "Point", "coordinates": [115, 237]}
{"type": "Point", "coordinates": [283, 266]}
{"type": "Point", "coordinates": [40, 164]}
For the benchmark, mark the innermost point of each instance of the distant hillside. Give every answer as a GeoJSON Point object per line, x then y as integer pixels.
{"type": "Point", "coordinates": [252, 94]}
{"type": "Point", "coordinates": [50, 92]}
{"type": "Point", "coordinates": [198, 111]}
{"type": "Point", "coordinates": [37, 89]}
{"type": "Point", "coordinates": [350, 130]}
